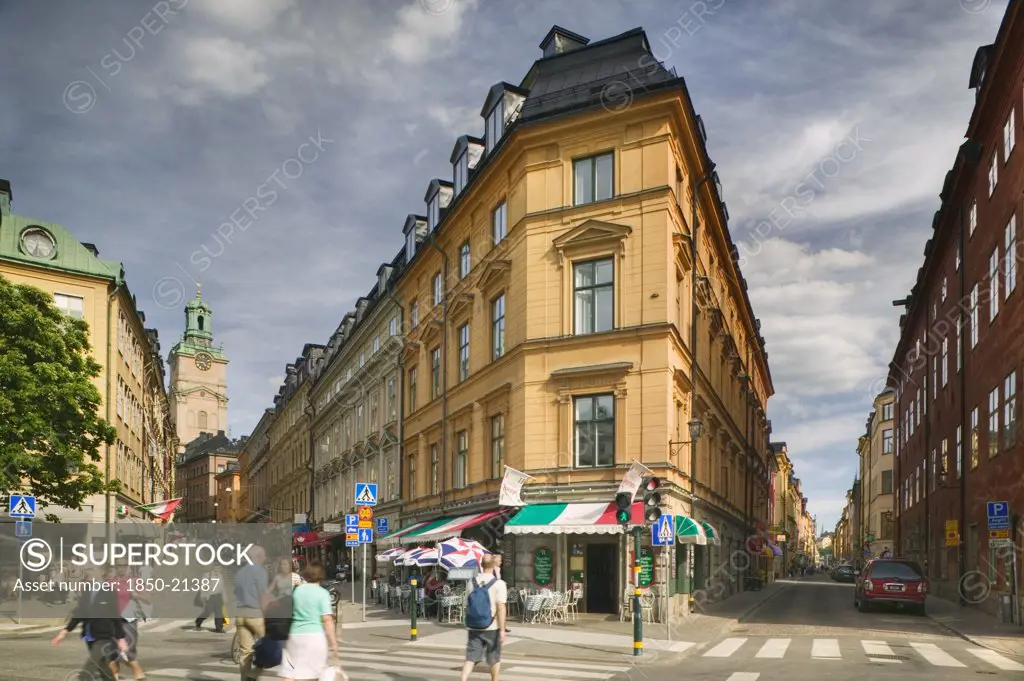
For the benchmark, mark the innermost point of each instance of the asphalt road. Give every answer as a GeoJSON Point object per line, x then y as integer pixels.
{"type": "Point", "coordinates": [811, 631]}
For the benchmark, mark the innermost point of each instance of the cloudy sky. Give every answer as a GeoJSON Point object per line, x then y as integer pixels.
{"type": "Point", "coordinates": [143, 128]}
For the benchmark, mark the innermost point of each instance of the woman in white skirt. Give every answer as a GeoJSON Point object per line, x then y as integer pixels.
{"type": "Point", "coordinates": [311, 638]}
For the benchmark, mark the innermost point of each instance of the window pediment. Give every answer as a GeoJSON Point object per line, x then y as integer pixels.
{"type": "Point", "coordinates": [592, 234]}
{"type": "Point", "coordinates": [431, 333]}
{"type": "Point", "coordinates": [495, 273]}
{"type": "Point", "coordinates": [461, 305]}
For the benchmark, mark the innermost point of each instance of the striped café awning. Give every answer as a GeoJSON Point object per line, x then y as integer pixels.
{"type": "Point", "coordinates": [453, 527]}
{"type": "Point", "coordinates": [396, 537]}
{"type": "Point", "coordinates": [577, 518]}
{"type": "Point", "coordinates": [711, 533]}
{"type": "Point", "coordinates": [689, 531]}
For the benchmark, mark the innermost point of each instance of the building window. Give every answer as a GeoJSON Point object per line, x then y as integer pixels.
{"type": "Point", "coordinates": [1009, 137]}
{"type": "Point", "coordinates": [1010, 410]}
{"type": "Point", "coordinates": [203, 418]}
{"type": "Point", "coordinates": [461, 173]}
{"type": "Point", "coordinates": [392, 402]}
{"type": "Point", "coordinates": [414, 314]}
{"type": "Point", "coordinates": [72, 306]}
{"type": "Point", "coordinates": [887, 411]}
{"type": "Point", "coordinates": [412, 477]}
{"type": "Point", "coordinates": [499, 223]}
{"type": "Point", "coordinates": [1010, 256]}
{"type": "Point", "coordinates": [944, 462]}
{"type": "Point", "coordinates": [461, 459]}
{"type": "Point", "coordinates": [957, 453]}
{"type": "Point", "coordinates": [393, 327]}
{"type": "Point", "coordinates": [497, 445]}
{"type": "Point", "coordinates": [886, 529]}
{"type": "Point", "coordinates": [595, 430]}
{"type": "Point", "coordinates": [935, 467]}
{"type": "Point", "coordinates": [942, 293]}
{"type": "Point", "coordinates": [435, 373]}
{"type": "Point", "coordinates": [594, 295]}
{"type": "Point", "coordinates": [494, 125]}
{"type": "Point", "coordinates": [464, 260]}
{"type": "Point", "coordinates": [935, 376]}
{"type": "Point", "coordinates": [374, 411]}
{"type": "Point", "coordinates": [887, 441]}
{"type": "Point", "coordinates": [410, 245]}
{"type": "Point", "coordinates": [362, 359]}
{"type": "Point", "coordinates": [974, 316]}
{"type": "Point", "coordinates": [945, 361]}
{"type": "Point", "coordinates": [972, 222]}
{"type": "Point", "coordinates": [498, 326]}
{"type": "Point", "coordinates": [887, 482]}
{"type": "Point", "coordinates": [993, 284]}
{"type": "Point", "coordinates": [464, 352]}
{"type": "Point", "coordinates": [974, 438]}
{"type": "Point", "coordinates": [993, 173]}
{"type": "Point", "coordinates": [437, 289]}
{"type": "Point", "coordinates": [959, 345]}
{"type": "Point", "coordinates": [434, 211]}
{"type": "Point", "coordinates": [993, 422]}
{"type": "Point", "coordinates": [594, 178]}
{"type": "Point", "coordinates": [412, 390]}
{"type": "Point", "coordinates": [433, 468]}
{"type": "Point", "coordinates": [376, 344]}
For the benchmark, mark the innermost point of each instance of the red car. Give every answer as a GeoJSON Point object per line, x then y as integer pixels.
{"type": "Point", "coordinates": [893, 581]}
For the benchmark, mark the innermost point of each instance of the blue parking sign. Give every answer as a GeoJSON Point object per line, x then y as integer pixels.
{"type": "Point", "coordinates": [998, 515]}
{"type": "Point", "coordinates": [382, 526]}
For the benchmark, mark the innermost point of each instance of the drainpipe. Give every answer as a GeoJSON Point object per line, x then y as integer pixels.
{"type": "Point", "coordinates": [444, 368]}
{"type": "Point", "coordinates": [111, 367]}
{"type": "Point", "coordinates": [400, 389]}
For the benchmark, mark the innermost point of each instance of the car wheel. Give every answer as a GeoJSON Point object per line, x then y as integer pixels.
{"type": "Point", "coordinates": [863, 606]}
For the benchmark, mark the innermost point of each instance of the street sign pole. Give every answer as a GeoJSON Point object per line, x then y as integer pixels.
{"type": "Point", "coordinates": [364, 582]}
{"type": "Point", "coordinates": [21, 577]}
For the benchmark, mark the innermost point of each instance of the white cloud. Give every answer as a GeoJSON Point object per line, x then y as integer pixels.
{"type": "Point", "coordinates": [420, 35]}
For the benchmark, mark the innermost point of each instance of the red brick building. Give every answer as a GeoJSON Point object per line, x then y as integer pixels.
{"type": "Point", "coordinates": [957, 368]}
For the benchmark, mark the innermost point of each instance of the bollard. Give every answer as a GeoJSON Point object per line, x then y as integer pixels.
{"type": "Point", "coordinates": [413, 607]}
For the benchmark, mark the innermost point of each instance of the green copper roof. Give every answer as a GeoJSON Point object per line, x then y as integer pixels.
{"type": "Point", "coordinates": [57, 250]}
{"type": "Point", "coordinates": [198, 336]}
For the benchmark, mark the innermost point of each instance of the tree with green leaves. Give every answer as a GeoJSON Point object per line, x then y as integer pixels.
{"type": "Point", "coordinates": [50, 425]}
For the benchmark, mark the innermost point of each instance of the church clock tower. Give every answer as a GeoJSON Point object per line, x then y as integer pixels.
{"type": "Point", "coordinates": [199, 387]}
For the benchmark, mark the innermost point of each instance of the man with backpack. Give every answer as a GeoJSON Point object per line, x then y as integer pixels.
{"type": "Point", "coordinates": [485, 620]}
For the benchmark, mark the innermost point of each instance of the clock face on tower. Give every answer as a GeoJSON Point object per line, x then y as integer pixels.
{"type": "Point", "coordinates": [203, 361]}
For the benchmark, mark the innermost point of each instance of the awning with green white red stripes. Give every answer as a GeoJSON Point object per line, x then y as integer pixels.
{"type": "Point", "coordinates": [439, 529]}
{"type": "Point", "coordinates": [711, 533]}
{"type": "Point", "coordinates": [689, 531]}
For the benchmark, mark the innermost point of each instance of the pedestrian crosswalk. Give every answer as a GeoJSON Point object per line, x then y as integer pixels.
{"type": "Point", "coordinates": [960, 656]}
{"type": "Point", "coordinates": [372, 664]}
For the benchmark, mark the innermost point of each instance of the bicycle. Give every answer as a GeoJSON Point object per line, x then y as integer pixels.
{"type": "Point", "coordinates": [236, 648]}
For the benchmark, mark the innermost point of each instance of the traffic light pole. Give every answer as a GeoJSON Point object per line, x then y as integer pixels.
{"type": "Point", "coordinates": [638, 622]}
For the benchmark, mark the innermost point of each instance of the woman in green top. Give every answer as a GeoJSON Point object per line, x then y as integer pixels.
{"type": "Point", "coordinates": [311, 639]}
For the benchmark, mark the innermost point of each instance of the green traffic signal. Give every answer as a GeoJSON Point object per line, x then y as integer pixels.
{"type": "Point", "coordinates": [623, 516]}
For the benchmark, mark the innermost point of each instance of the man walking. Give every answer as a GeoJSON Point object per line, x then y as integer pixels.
{"type": "Point", "coordinates": [251, 598]}
{"type": "Point", "coordinates": [485, 620]}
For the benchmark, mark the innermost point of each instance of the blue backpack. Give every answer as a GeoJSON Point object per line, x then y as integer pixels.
{"type": "Point", "coordinates": [478, 606]}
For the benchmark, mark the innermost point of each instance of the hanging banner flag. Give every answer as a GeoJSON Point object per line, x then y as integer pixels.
{"type": "Point", "coordinates": [161, 509]}
{"type": "Point", "coordinates": [631, 481]}
{"type": "Point", "coordinates": [511, 488]}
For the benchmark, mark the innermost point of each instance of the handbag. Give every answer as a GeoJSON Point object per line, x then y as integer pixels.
{"type": "Point", "coordinates": [278, 618]}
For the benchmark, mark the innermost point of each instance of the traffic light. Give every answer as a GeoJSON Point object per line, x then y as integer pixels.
{"type": "Point", "coordinates": [623, 505]}
{"type": "Point", "coordinates": [652, 499]}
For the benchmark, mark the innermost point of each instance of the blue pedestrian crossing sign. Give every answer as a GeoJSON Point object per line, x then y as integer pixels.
{"type": "Point", "coordinates": [382, 526]}
{"type": "Point", "coordinates": [366, 494]}
{"type": "Point", "coordinates": [23, 529]}
{"type": "Point", "coordinates": [351, 523]}
{"type": "Point", "coordinates": [663, 532]}
{"type": "Point", "coordinates": [365, 536]}
{"type": "Point", "coordinates": [21, 506]}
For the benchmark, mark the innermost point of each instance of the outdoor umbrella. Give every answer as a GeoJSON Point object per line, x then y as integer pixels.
{"type": "Point", "coordinates": [423, 558]}
{"type": "Point", "coordinates": [389, 555]}
{"type": "Point", "coordinates": [461, 553]}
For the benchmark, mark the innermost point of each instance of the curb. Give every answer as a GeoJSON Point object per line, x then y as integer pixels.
{"type": "Point", "coordinates": [971, 639]}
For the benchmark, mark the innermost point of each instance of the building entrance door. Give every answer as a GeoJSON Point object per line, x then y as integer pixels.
{"type": "Point", "coordinates": [602, 578]}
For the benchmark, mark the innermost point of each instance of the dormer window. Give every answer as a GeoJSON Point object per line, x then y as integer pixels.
{"type": "Point", "coordinates": [434, 212]}
{"type": "Point", "coordinates": [461, 173]}
{"type": "Point", "coordinates": [495, 125]}
{"type": "Point", "coordinates": [410, 245]}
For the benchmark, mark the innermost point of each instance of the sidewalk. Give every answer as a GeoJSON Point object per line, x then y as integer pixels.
{"type": "Point", "coordinates": [600, 638]}
{"type": "Point", "coordinates": [977, 627]}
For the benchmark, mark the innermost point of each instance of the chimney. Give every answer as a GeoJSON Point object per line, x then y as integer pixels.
{"type": "Point", "coordinates": [5, 197]}
{"type": "Point", "coordinates": [559, 41]}
{"type": "Point", "coordinates": [92, 249]}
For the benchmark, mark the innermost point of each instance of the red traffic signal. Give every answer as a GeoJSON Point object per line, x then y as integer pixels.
{"type": "Point", "coordinates": [652, 499]}
{"type": "Point", "coordinates": [651, 484]}
{"type": "Point", "coordinates": [623, 500]}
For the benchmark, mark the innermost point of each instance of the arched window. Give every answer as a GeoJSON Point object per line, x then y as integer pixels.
{"type": "Point", "coordinates": [202, 421]}
{"type": "Point", "coordinates": [200, 322]}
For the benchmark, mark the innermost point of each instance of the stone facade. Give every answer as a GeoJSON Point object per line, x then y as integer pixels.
{"type": "Point", "coordinates": [876, 453]}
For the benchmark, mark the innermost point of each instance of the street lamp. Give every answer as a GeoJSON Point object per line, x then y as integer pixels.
{"type": "Point", "coordinates": [696, 429]}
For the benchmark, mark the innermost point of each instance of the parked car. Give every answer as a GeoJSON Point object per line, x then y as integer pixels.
{"type": "Point", "coordinates": [845, 573]}
{"type": "Point", "coordinates": [892, 581]}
